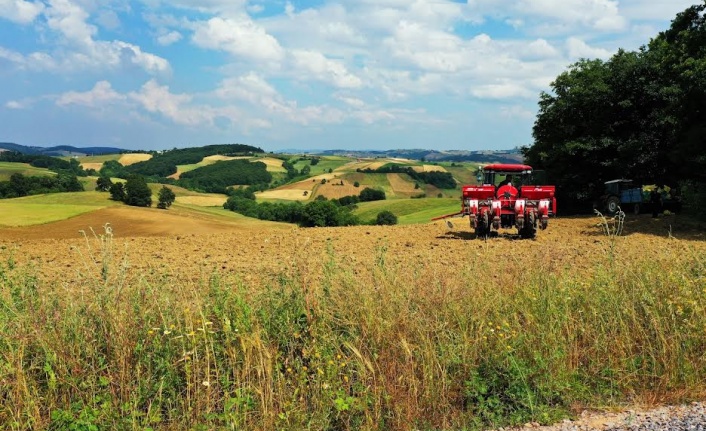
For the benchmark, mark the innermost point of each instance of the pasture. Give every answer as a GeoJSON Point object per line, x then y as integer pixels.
{"type": "Point", "coordinates": [9, 168]}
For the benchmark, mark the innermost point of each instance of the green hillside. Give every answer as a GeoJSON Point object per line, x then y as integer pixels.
{"type": "Point", "coordinates": [409, 211]}
{"type": "Point", "coordinates": [9, 168]}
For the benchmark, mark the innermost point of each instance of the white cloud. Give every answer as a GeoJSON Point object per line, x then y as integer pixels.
{"type": "Point", "coordinates": [14, 104]}
{"type": "Point", "coordinates": [158, 99]}
{"type": "Point", "coordinates": [169, 38]}
{"type": "Point", "coordinates": [311, 64]}
{"type": "Point", "coordinates": [516, 112]}
{"type": "Point", "coordinates": [657, 10]}
{"type": "Point", "coordinates": [351, 101]}
{"type": "Point", "coordinates": [20, 11]}
{"type": "Point", "coordinates": [598, 14]}
{"type": "Point", "coordinates": [240, 37]}
{"type": "Point", "coordinates": [504, 90]}
{"type": "Point", "coordinates": [577, 48]}
{"type": "Point", "coordinates": [108, 19]}
{"type": "Point", "coordinates": [101, 94]}
{"type": "Point", "coordinates": [69, 19]}
{"type": "Point", "coordinates": [79, 50]}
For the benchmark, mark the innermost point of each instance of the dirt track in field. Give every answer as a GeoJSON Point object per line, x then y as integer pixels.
{"type": "Point", "coordinates": [190, 245]}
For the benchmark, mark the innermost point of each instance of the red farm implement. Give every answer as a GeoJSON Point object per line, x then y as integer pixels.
{"type": "Point", "coordinates": [515, 202]}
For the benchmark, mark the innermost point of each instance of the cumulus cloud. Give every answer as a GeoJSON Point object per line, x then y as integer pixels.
{"type": "Point", "coordinates": [504, 90]}
{"type": "Point", "coordinates": [312, 64]}
{"type": "Point", "coordinates": [240, 37]}
{"type": "Point", "coordinates": [169, 38]}
{"type": "Point", "coordinates": [20, 11]}
{"type": "Point", "coordinates": [158, 99]}
{"type": "Point", "coordinates": [100, 95]}
{"type": "Point", "coordinates": [577, 48]}
{"type": "Point", "coordinates": [80, 49]}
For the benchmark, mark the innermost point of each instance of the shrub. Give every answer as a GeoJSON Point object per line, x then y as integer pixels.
{"type": "Point", "coordinates": [386, 218]}
{"type": "Point", "coordinates": [117, 192]}
{"type": "Point", "coordinates": [103, 184]}
{"type": "Point", "coordinates": [369, 195]}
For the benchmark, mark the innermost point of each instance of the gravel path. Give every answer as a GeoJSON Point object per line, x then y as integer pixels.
{"type": "Point", "coordinates": [691, 417]}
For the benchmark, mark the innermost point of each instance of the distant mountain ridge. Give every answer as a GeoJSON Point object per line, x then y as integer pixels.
{"type": "Point", "coordinates": [61, 150]}
{"type": "Point", "coordinates": [486, 156]}
{"type": "Point", "coordinates": [483, 156]}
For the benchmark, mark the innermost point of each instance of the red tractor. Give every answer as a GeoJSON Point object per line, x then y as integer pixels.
{"type": "Point", "coordinates": [516, 201]}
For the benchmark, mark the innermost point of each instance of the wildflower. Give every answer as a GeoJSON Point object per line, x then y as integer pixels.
{"type": "Point", "coordinates": [206, 383]}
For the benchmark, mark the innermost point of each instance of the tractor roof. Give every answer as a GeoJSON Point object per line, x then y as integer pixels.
{"type": "Point", "coordinates": [507, 167]}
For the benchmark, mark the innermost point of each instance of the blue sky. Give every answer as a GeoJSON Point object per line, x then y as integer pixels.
{"type": "Point", "coordinates": [298, 74]}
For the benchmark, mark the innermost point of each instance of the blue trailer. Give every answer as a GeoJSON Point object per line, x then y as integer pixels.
{"type": "Point", "coordinates": [622, 194]}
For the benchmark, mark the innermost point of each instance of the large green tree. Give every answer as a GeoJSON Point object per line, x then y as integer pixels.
{"type": "Point", "coordinates": [166, 198]}
{"type": "Point", "coordinates": [640, 115]}
{"type": "Point", "coordinates": [137, 193]}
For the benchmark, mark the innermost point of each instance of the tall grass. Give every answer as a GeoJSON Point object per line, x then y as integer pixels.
{"type": "Point", "coordinates": [396, 345]}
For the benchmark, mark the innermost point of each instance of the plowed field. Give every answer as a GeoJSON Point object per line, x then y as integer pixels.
{"type": "Point", "coordinates": [191, 243]}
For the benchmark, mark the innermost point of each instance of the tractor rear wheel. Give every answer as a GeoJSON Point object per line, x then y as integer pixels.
{"type": "Point", "coordinates": [529, 230]}
{"type": "Point", "coordinates": [612, 205]}
{"type": "Point", "coordinates": [482, 227]}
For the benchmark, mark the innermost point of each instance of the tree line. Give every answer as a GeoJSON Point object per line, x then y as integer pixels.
{"type": "Point", "coordinates": [640, 115]}
{"type": "Point", "coordinates": [320, 212]}
{"type": "Point", "coordinates": [53, 164]}
{"type": "Point", "coordinates": [20, 185]}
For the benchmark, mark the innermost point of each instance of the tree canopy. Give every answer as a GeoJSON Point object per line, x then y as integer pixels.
{"type": "Point", "coordinates": [638, 115]}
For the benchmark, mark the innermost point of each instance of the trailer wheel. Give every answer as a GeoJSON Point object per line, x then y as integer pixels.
{"type": "Point", "coordinates": [612, 205]}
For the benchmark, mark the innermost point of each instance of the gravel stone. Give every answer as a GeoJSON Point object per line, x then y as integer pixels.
{"type": "Point", "coordinates": [690, 417]}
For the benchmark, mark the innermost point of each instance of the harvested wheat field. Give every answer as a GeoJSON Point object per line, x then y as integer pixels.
{"type": "Point", "coordinates": [248, 246]}
{"type": "Point", "coordinates": [95, 166]}
{"type": "Point", "coordinates": [131, 159]}
{"type": "Point", "coordinates": [288, 194]}
{"type": "Point", "coordinates": [203, 201]}
{"type": "Point", "coordinates": [402, 186]}
{"type": "Point", "coordinates": [273, 165]}
{"type": "Point", "coordinates": [334, 190]}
